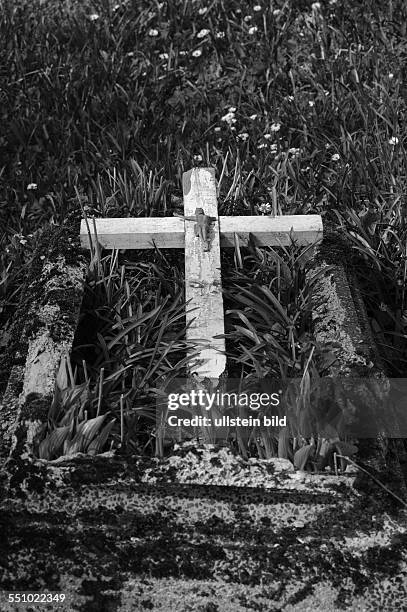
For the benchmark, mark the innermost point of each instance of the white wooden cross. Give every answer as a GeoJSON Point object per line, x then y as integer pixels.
{"type": "Point", "coordinates": [203, 288]}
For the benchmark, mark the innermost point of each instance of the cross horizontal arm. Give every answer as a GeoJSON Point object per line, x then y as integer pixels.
{"type": "Point", "coordinates": [169, 232]}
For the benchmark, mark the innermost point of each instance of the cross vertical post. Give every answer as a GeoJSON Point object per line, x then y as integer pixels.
{"type": "Point", "coordinates": [203, 286]}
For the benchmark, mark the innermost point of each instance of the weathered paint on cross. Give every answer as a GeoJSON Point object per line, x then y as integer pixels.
{"type": "Point", "coordinates": [202, 267]}
{"type": "Point", "coordinates": [203, 285]}
{"type": "Point", "coordinates": [169, 232]}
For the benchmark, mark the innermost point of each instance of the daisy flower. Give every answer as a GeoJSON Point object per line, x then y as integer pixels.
{"type": "Point", "coordinates": [229, 118]}
{"type": "Point", "coordinates": [265, 208]}
{"type": "Point", "coordinates": [197, 53]}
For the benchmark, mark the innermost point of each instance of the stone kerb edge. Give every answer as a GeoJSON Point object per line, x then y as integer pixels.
{"type": "Point", "coordinates": [42, 333]}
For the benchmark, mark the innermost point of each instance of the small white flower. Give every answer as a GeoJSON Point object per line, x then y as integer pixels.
{"type": "Point", "coordinates": [275, 127]}
{"type": "Point", "coordinates": [276, 12]}
{"type": "Point", "coordinates": [23, 241]}
{"type": "Point", "coordinates": [197, 53]}
{"type": "Point", "coordinates": [253, 117]}
{"type": "Point", "coordinates": [233, 128]}
{"type": "Point", "coordinates": [202, 33]}
{"type": "Point", "coordinates": [153, 32]}
{"type": "Point", "coordinates": [267, 136]}
{"type": "Point", "coordinates": [202, 10]}
{"type": "Point", "coordinates": [93, 17]}
{"type": "Point", "coordinates": [31, 186]}
{"type": "Point", "coordinates": [243, 136]}
{"type": "Point", "coordinates": [257, 8]}
{"type": "Point", "coordinates": [273, 148]}
{"type": "Point", "coordinates": [220, 34]}
{"type": "Point", "coordinates": [229, 118]}
{"type": "Point", "coordinates": [182, 52]}
{"type": "Point", "coordinates": [335, 157]}
{"type": "Point", "coordinates": [232, 109]}
{"type": "Point", "coordinates": [290, 98]}
{"type": "Point", "coordinates": [262, 145]}
{"type": "Point", "coordinates": [316, 6]}
{"type": "Point", "coordinates": [265, 208]}
{"type": "Point", "coordinates": [253, 30]}
{"type": "Point", "coordinates": [217, 129]}
{"type": "Point", "coordinates": [247, 18]}
{"type": "Point", "coordinates": [130, 54]}
{"type": "Point", "coordinates": [311, 103]}
{"type": "Point", "coordinates": [198, 158]}
{"type": "Point", "coordinates": [393, 140]}
{"type": "Point", "coordinates": [163, 56]}
{"type": "Point", "coordinates": [293, 151]}
{"type": "Point", "coordinates": [116, 7]}
{"type": "Point", "coordinates": [391, 75]}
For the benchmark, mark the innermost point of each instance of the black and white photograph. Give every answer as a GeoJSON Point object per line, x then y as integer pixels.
{"type": "Point", "coordinates": [203, 306]}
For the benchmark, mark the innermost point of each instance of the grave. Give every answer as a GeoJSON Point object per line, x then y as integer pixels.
{"type": "Point", "coordinates": [119, 534]}
{"type": "Point", "coordinates": [203, 288]}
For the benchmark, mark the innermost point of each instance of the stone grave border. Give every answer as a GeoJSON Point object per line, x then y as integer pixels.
{"type": "Point", "coordinates": [47, 317]}
{"type": "Point", "coordinates": [41, 334]}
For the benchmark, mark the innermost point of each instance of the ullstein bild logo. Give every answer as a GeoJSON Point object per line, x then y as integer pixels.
{"type": "Point", "coordinates": [226, 421]}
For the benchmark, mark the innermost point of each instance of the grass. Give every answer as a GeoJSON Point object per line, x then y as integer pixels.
{"type": "Point", "coordinates": [299, 106]}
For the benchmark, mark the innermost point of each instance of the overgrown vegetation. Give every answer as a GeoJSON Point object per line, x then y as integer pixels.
{"type": "Point", "coordinates": [299, 106]}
